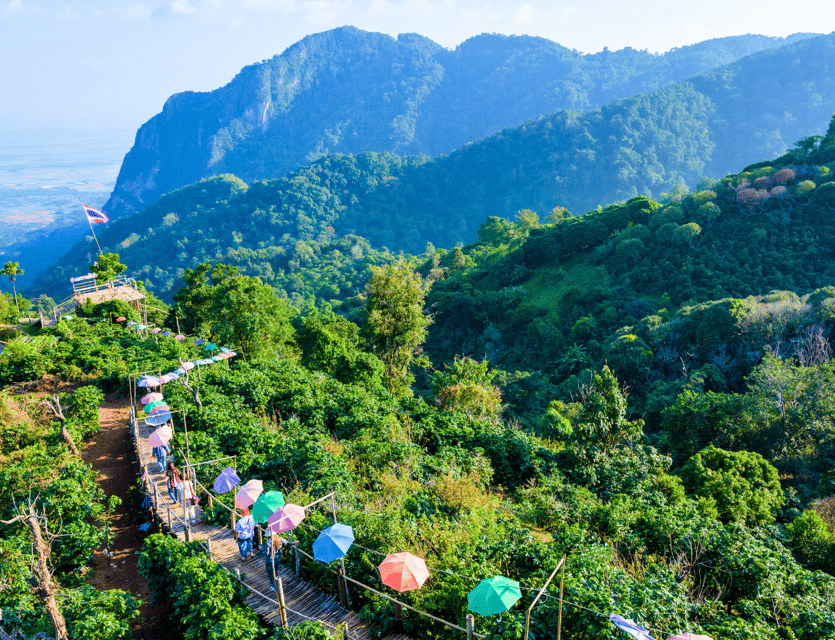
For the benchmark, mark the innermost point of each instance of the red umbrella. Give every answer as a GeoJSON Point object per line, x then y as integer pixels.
{"type": "Point", "coordinates": [285, 518]}
{"type": "Point", "coordinates": [403, 571]}
{"type": "Point", "coordinates": [121, 319]}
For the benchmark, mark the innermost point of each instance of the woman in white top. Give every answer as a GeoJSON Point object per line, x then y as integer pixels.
{"type": "Point", "coordinates": [186, 493]}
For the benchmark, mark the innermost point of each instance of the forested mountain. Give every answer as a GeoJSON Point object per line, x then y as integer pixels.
{"type": "Point", "coordinates": [349, 91]}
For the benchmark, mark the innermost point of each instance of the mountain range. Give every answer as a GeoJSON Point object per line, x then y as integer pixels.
{"type": "Point", "coordinates": [350, 91]}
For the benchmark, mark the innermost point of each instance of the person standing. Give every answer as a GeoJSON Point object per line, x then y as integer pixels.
{"type": "Point", "coordinates": [244, 531]}
{"type": "Point", "coordinates": [270, 563]}
{"type": "Point", "coordinates": [173, 475]}
{"type": "Point", "coordinates": [161, 453]}
{"type": "Point", "coordinates": [185, 492]}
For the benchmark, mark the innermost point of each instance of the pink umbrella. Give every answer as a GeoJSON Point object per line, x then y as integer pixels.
{"type": "Point", "coordinates": [151, 397]}
{"type": "Point", "coordinates": [188, 366]}
{"type": "Point", "coordinates": [168, 377]}
{"type": "Point", "coordinates": [403, 571]}
{"type": "Point", "coordinates": [158, 408]}
{"type": "Point", "coordinates": [285, 518]}
{"type": "Point", "coordinates": [161, 436]}
{"type": "Point", "coordinates": [248, 494]}
{"type": "Point", "coordinates": [121, 319]}
{"type": "Point", "coordinates": [156, 330]}
{"type": "Point", "coordinates": [179, 336]}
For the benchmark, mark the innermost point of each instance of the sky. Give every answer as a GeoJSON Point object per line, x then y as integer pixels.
{"type": "Point", "coordinates": [111, 64]}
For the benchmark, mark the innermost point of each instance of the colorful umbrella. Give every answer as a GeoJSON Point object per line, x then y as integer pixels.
{"type": "Point", "coordinates": [403, 571]}
{"type": "Point", "coordinates": [131, 323]}
{"type": "Point", "coordinates": [222, 356]}
{"type": "Point", "coordinates": [157, 419]}
{"type": "Point", "coordinates": [690, 636]}
{"type": "Point", "coordinates": [211, 346]}
{"type": "Point", "coordinates": [142, 326]}
{"type": "Point", "coordinates": [179, 336]}
{"type": "Point", "coordinates": [151, 397]}
{"type": "Point", "coordinates": [286, 518]}
{"type": "Point", "coordinates": [495, 595]}
{"type": "Point", "coordinates": [188, 366]}
{"type": "Point", "coordinates": [226, 481]}
{"type": "Point", "coordinates": [148, 381]}
{"type": "Point", "coordinates": [153, 405]}
{"type": "Point", "coordinates": [161, 436]}
{"type": "Point", "coordinates": [630, 626]}
{"type": "Point", "coordinates": [216, 358]}
{"type": "Point", "coordinates": [266, 505]}
{"type": "Point", "coordinates": [166, 333]}
{"type": "Point", "coordinates": [67, 317]}
{"type": "Point", "coordinates": [333, 543]}
{"type": "Point", "coordinates": [157, 409]}
{"type": "Point", "coordinates": [156, 330]}
{"type": "Point", "coordinates": [248, 493]}
{"type": "Point", "coordinates": [168, 377]}
{"type": "Point", "coordinates": [202, 362]}
{"type": "Point", "coordinates": [121, 319]}
{"type": "Point", "coordinates": [225, 350]}
{"type": "Point", "coordinates": [199, 341]}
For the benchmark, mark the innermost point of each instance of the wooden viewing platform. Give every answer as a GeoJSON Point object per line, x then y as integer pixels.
{"type": "Point", "coordinates": [303, 601]}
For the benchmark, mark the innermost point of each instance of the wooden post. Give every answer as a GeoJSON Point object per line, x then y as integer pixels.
{"type": "Point", "coordinates": [340, 584]}
{"type": "Point", "coordinates": [156, 496]}
{"type": "Point", "coordinates": [185, 428]}
{"type": "Point", "coordinates": [238, 573]}
{"type": "Point", "coordinates": [177, 320]}
{"type": "Point", "coordinates": [232, 517]}
{"type": "Point", "coordinates": [282, 608]}
{"type": "Point", "coordinates": [169, 518]}
{"type": "Point", "coordinates": [344, 582]}
{"type": "Point", "coordinates": [559, 616]}
{"type": "Point", "coordinates": [260, 536]}
{"type": "Point", "coordinates": [470, 623]}
{"type": "Point", "coordinates": [211, 500]}
{"type": "Point", "coordinates": [296, 556]}
{"type": "Point", "coordinates": [209, 545]}
{"type": "Point", "coordinates": [398, 616]}
{"type": "Point", "coordinates": [272, 553]}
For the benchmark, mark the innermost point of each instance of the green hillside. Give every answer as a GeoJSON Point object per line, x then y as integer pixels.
{"type": "Point", "coordinates": [350, 91]}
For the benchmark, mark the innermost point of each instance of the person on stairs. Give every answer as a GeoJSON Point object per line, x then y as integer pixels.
{"type": "Point", "coordinates": [244, 531]}
{"type": "Point", "coordinates": [273, 542]}
{"type": "Point", "coordinates": [185, 492]}
{"type": "Point", "coordinates": [160, 453]}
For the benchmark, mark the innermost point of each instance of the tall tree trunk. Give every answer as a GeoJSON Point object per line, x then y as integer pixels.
{"type": "Point", "coordinates": [14, 289]}
{"type": "Point", "coordinates": [189, 388]}
{"type": "Point", "coordinates": [44, 577]}
{"type": "Point", "coordinates": [55, 405]}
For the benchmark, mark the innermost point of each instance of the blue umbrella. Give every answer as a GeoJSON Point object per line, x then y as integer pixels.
{"type": "Point", "coordinates": [202, 362]}
{"type": "Point", "coordinates": [199, 341]}
{"type": "Point", "coordinates": [179, 371]}
{"type": "Point", "coordinates": [148, 381]}
{"type": "Point", "coordinates": [131, 323]}
{"type": "Point", "coordinates": [333, 543]}
{"type": "Point", "coordinates": [225, 350]}
{"type": "Point", "coordinates": [158, 418]}
{"type": "Point", "coordinates": [226, 481]}
{"type": "Point", "coordinates": [166, 333]}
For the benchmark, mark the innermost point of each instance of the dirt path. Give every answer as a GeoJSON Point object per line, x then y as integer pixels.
{"type": "Point", "coordinates": [112, 456]}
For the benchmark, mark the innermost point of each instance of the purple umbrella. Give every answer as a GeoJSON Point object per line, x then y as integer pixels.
{"type": "Point", "coordinates": [199, 341]}
{"type": "Point", "coordinates": [630, 626]}
{"type": "Point", "coordinates": [148, 381]}
{"type": "Point", "coordinates": [156, 330]}
{"type": "Point", "coordinates": [166, 333]}
{"type": "Point", "coordinates": [226, 481]}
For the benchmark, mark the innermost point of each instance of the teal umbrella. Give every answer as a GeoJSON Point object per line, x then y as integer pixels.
{"type": "Point", "coordinates": [153, 405]}
{"type": "Point", "coordinates": [211, 346]}
{"type": "Point", "coordinates": [266, 505]}
{"type": "Point", "coordinates": [494, 595]}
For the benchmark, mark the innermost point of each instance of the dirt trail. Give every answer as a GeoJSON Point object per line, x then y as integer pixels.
{"type": "Point", "coordinates": [112, 456]}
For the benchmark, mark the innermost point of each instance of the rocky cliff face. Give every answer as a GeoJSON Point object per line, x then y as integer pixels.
{"type": "Point", "coordinates": [349, 91]}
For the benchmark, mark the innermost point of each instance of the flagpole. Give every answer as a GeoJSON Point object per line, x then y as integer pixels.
{"type": "Point", "coordinates": [87, 215]}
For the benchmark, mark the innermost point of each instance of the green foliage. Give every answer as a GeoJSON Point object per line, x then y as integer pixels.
{"type": "Point", "coordinates": [744, 486]}
{"type": "Point", "coordinates": [206, 602]}
{"type": "Point", "coordinates": [396, 324]}
{"type": "Point", "coordinates": [107, 267]}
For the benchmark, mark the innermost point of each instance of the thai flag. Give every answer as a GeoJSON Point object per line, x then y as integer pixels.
{"type": "Point", "coordinates": [94, 216]}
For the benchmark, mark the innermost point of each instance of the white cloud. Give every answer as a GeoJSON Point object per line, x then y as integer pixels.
{"type": "Point", "coordinates": [525, 14]}
{"type": "Point", "coordinates": [14, 6]}
{"type": "Point", "coordinates": [182, 7]}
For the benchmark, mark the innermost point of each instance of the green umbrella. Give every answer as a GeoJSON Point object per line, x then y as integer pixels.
{"type": "Point", "coordinates": [153, 405]}
{"type": "Point", "coordinates": [266, 505]}
{"type": "Point", "coordinates": [495, 595]}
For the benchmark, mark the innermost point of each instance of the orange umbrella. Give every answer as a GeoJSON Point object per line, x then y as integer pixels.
{"type": "Point", "coordinates": [248, 493]}
{"type": "Point", "coordinates": [403, 571]}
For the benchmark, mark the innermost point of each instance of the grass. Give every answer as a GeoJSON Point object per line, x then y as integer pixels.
{"type": "Point", "coordinates": [549, 284]}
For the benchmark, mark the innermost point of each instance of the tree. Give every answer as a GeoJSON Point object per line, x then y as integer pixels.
{"type": "Point", "coordinates": [12, 269]}
{"type": "Point", "coordinates": [107, 268]}
{"type": "Point", "coordinates": [396, 323]}
{"type": "Point", "coordinates": [467, 385]}
{"type": "Point", "coordinates": [743, 485]}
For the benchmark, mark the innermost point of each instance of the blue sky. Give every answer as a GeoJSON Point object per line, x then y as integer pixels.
{"type": "Point", "coordinates": [113, 63]}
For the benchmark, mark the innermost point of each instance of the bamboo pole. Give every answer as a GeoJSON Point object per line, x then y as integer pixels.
{"type": "Point", "coordinates": [296, 557]}
{"type": "Point", "coordinates": [560, 564]}
{"type": "Point", "coordinates": [470, 625]}
{"type": "Point", "coordinates": [559, 617]}
{"type": "Point", "coordinates": [282, 607]}
{"type": "Point", "coordinates": [209, 543]}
